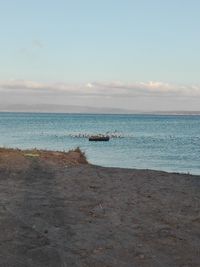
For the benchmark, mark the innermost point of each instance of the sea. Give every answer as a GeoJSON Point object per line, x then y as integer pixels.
{"type": "Point", "coordinates": [159, 142]}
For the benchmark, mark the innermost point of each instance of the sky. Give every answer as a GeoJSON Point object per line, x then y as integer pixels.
{"type": "Point", "coordinates": [130, 54]}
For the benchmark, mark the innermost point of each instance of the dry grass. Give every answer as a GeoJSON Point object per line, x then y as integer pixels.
{"type": "Point", "coordinates": [83, 157]}
{"type": "Point", "coordinates": [16, 158]}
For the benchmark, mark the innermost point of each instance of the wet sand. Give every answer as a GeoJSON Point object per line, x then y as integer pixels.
{"type": "Point", "coordinates": [58, 210]}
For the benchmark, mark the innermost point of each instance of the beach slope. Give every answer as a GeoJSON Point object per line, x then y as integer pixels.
{"type": "Point", "coordinates": [58, 210]}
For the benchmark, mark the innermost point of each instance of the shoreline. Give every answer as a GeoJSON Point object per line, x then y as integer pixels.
{"type": "Point", "coordinates": [84, 156]}
{"type": "Point", "coordinates": [59, 210]}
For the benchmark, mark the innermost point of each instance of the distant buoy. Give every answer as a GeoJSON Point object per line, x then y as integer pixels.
{"type": "Point", "coordinates": [99, 138]}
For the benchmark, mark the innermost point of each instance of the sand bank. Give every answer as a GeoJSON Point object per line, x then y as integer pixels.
{"type": "Point", "coordinates": [58, 210]}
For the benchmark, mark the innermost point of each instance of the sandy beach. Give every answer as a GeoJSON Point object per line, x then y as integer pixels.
{"type": "Point", "coordinates": [59, 210]}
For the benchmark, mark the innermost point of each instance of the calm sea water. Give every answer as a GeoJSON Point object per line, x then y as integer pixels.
{"type": "Point", "coordinates": [170, 143]}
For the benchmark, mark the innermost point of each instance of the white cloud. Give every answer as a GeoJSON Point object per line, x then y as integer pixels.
{"type": "Point", "coordinates": [89, 85]}
{"type": "Point", "coordinates": [112, 89]}
{"type": "Point", "coordinates": [144, 96]}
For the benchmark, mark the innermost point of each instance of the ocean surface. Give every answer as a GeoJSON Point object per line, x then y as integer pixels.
{"type": "Point", "coordinates": [160, 142]}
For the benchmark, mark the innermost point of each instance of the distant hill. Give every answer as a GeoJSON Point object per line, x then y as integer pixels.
{"type": "Point", "coordinates": [61, 108]}
{"type": "Point", "coordinates": [53, 108]}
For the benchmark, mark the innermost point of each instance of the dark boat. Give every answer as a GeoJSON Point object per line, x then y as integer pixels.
{"type": "Point", "coordinates": [99, 138]}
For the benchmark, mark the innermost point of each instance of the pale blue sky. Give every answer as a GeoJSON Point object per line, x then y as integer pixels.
{"type": "Point", "coordinates": [104, 41]}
